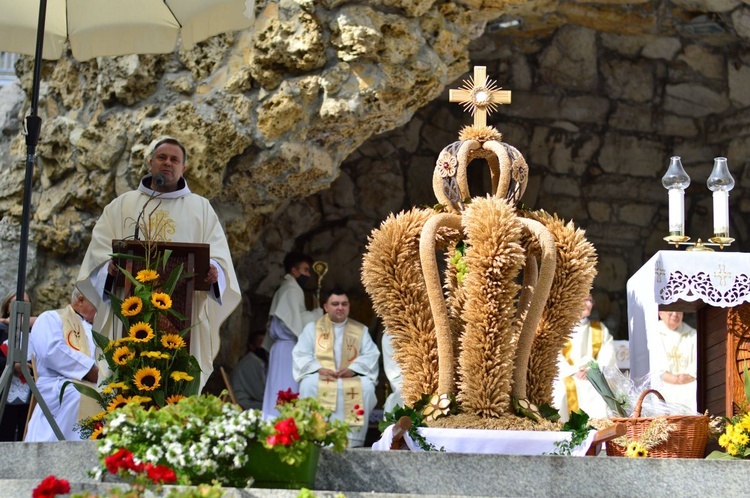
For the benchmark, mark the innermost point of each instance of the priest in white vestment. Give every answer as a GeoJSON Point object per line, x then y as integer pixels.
{"type": "Point", "coordinates": [393, 373]}
{"type": "Point", "coordinates": [336, 361]}
{"type": "Point", "coordinates": [673, 359]}
{"type": "Point", "coordinates": [63, 348]}
{"type": "Point", "coordinates": [287, 317]}
{"type": "Point", "coordinates": [183, 217]}
{"type": "Point", "coordinates": [572, 391]}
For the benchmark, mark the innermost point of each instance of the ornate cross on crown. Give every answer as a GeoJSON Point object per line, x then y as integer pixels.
{"type": "Point", "coordinates": [480, 96]}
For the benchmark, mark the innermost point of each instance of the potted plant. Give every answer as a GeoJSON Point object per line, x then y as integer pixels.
{"type": "Point", "coordinates": [204, 439]}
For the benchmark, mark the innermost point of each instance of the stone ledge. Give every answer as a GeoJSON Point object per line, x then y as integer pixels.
{"type": "Point", "coordinates": [358, 472]}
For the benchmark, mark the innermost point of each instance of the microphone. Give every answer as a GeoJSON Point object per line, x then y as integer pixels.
{"type": "Point", "coordinates": [159, 181]}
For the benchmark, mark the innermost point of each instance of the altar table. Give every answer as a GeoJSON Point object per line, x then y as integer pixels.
{"type": "Point", "coordinates": [716, 285]}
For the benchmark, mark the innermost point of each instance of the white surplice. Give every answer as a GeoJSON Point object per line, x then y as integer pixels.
{"type": "Point", "coordinates": [288, 317]}
{"type": "Point", "coordinates": [365, 365]}
{"type": "Point", "coordinates": [675, 352]}
{"type": "Point", "coordinates": [57, 363]}
{"type": "Point", "coordinates": [393, 373]}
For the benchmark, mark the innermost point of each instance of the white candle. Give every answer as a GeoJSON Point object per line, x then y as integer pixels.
{"type": "Point", "coordinates": [721, 213]}
{"type": "Point", "coordinates": [676, 211]}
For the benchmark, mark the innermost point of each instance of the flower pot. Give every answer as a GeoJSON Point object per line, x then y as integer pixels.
{"type": "Point", "coordinates": [270, 472]}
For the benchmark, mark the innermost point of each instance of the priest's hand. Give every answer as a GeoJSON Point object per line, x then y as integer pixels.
{"type": "Point", "coordinates": [345, 373]}
{"type": "Point", "coordinates": [324, 372]}
{"type": "Point", "coordinates": [213, 275]}
{"type": "Point", "coordinates": [112, 268]}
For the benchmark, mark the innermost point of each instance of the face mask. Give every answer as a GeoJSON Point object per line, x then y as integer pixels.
{"type": "Point", "coordinates": [302, 280]}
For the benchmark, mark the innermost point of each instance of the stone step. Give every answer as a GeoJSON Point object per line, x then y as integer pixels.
{"type": "Point", "coordinates": [363, 472]}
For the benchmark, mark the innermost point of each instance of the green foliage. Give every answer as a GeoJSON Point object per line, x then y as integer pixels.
{"type": "Point", "coordinates": [578, 424]}
{"type": "Point", "coordinates": [595, 376]}
{"type": "Point", "coordinates": [415, 414]}
{"type": "Point", "coordinates": [459, 262]}
{"type": "Point", "coordinates": [206, 440]}
{"type": "Point", "coordinates": [549, 412]}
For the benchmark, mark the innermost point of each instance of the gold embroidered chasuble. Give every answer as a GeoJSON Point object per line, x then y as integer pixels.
{"type": "Point", "coordinates": [324, 354]}
{"type": "Point", "coordinates": [596, 345]}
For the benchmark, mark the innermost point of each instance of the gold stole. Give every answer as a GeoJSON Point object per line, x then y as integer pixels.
{"type": "Point", "coordinates": [327, 387]}
{"type": "Point", "coordinates": [570, 384]}
{"type": "Point", "coordinates": [76, 339]}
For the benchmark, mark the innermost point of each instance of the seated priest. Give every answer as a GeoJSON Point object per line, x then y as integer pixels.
{"type": "Point", "coordinates": [336, 360]}
{"type": "Point", "coordinates": [674, 362]}
{"type": "Point", "coordinates": [63, 347]}
{"type": "Point", "coordinates": [572, 391]}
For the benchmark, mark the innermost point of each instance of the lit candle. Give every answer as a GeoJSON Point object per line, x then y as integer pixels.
{"type": "Point", "coordinates": [675, 180]}
{"type": "Point", "coordinates": [720, 183]}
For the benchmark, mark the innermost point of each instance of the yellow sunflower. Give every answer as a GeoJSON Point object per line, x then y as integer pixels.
{"type": "Point", "coordinates": [147, 275]}
{"type": "Point", "coordinates": [123, 355]}
{"type": "Point", "coordinates": [161, 300]}
{"type": "Point", "coordinates": [118, 402]}
{"type": "Point", "coordinates": [172, 341]}
{"type": "Point", "coordinates": [141, 332]}
{"type": "Point", "coordinates": [177, 376]}
{"type": "Point", "coordinates": [115, 385]}
{"type": "Point", "coordinates": [99, 416]}
{"type": "Point", "coordinates": [147, 379]}
{"type": "Point", "coordinates": [636, 450]}
{"type": "Point", "coordinates": [132, 306]}
{"type": "Point", "coordinates": [174, 398]}
{"type": "Point", "coordinates": [158, 355]}
{"type": "Point", "coordinates": [97, 433]}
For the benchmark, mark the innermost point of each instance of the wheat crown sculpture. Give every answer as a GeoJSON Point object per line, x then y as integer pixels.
{"type": "Point", "coordinates": [488, 333]}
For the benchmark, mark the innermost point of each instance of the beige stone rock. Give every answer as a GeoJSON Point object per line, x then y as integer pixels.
{"type": "Point", "coordinates": [570, 62]}
{"type": "Point", "coordinates": [643, 158]}
{"type": "Point", "coordinates": [626, 80]}
{"type": "Point", "coordinates": [695, 100]}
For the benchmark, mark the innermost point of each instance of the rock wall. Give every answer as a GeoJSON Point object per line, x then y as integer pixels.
{"type": "Point", "coordinates": [306, 131]}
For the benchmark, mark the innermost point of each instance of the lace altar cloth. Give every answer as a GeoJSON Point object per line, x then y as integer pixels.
{"type": "Point", "coordinates": [720, 279]}
{"type": "Point", "coordinates": [487, 441]}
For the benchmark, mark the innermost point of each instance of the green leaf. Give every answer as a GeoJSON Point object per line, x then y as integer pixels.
{"type": "Point", "coordinates": [174, 277]}
{"type": "Point", "coordinates": [85, 390]}
{"type": "Point", "coordinates": [132, 257]}
{"type": "Point", "coordinates": [720, 455]}
{"type": "Point", "coordinates": [746, 381]}
{"type": "Point", "coordinates": [101, 340]}
{"type": "Point", "coordinates": [549, 412]}
{"type": "Point", "coordinates": [598, 382]}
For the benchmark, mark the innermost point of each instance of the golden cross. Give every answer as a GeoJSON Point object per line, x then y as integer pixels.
{"type": "Point", "coordinates": [722, 274]}
{"type": "Point", "coordinates": [480, 96]}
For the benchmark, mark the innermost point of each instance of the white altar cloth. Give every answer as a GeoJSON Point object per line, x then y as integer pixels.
{"type": "Point", "coordinates": [720, 279]}
{"type": "Point", "coordinates": [487, 441]}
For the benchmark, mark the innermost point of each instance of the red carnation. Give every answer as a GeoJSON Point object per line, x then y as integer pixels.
{"type": "Point", "coordinates": [122, 459]}
{"type": "Point", "coordinates": [286, 433]}
{"type": "Point", "coordinates": [286, 397]}
{"type": "Point", "coordinates": [160, 474]}
{"type": "Point", "coordinates": [50, 487]}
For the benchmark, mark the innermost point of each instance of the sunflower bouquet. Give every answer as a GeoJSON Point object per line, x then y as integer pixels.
{"type": "Point", "coordinates": [150, 364]}
{"type": "Point", "coordinates": [735, 433]}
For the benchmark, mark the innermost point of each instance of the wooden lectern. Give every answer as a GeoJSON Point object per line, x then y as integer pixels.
{"type": "Point", "coordinates": [195, 259]}
{"type": "Point", "coordinates": [714, 285]}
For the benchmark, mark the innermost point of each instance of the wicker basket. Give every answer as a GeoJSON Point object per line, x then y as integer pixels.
{"type": "Point", "coordinates": [688, 440]}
